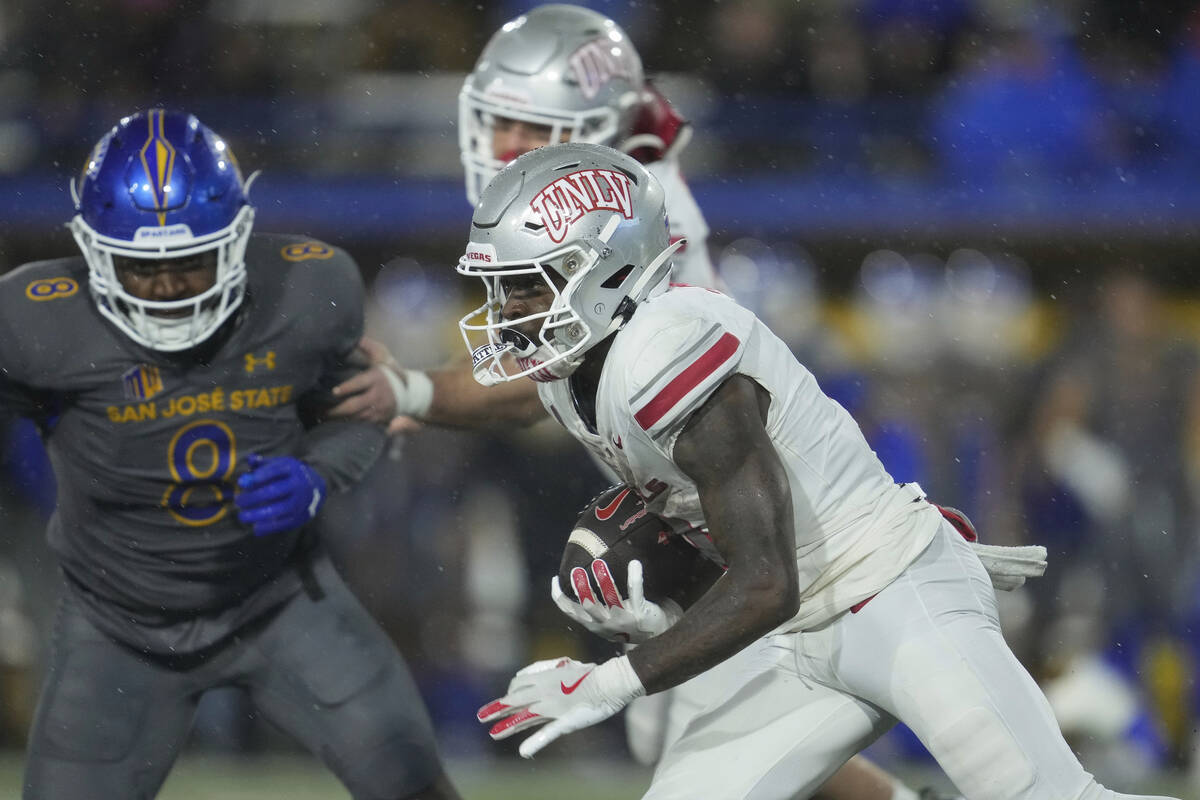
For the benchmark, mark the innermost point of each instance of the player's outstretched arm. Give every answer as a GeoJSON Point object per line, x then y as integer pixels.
{"type": "Point", "coordinates": [373, 394]}
{"type": "Point", "coordinates": [448, 395]}
{"type": "Point", "coordinates": [460, 400]}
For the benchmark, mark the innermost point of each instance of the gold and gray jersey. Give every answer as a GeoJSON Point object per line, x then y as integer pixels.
{"type": "Point", "coordinates": [147, 446]}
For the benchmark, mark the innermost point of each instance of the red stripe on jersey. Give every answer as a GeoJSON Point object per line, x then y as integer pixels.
{"type": "Point", "coordinates": [857, 607]}
{"type": "Point", "coordinates": [687, 380]}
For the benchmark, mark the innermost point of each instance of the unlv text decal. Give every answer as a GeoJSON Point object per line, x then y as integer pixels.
{"type": "Point", "coordinates": [598, 62]}
{"type": "Point", "coordinates": [568, 198]}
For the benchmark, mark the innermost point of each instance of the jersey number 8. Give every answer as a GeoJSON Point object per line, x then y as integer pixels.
{"type": "Point", "coordinates": [201, 457]}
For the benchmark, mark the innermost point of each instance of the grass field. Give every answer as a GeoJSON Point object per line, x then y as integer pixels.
{"type": "Point", "coordinates": [300, 778]}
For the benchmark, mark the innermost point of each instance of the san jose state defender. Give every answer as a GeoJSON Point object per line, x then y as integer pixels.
{"type": "Point", "coordinates": [179, 371]}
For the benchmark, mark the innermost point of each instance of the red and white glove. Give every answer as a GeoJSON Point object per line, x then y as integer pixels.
{"type": "Point", "coordinates": [564, 693]}
{"type": "Point", "coordinates": [632, 620]}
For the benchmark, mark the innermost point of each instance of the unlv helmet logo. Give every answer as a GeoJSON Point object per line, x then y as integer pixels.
{"type": "Point", "coordinates": [597, 62]}
{"type": "Point", "coordinates": [568, 198]}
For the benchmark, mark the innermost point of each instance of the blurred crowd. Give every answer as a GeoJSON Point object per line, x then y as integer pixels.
{"type": "Point", "coordinates": [1064, 415]}
{"type": "Point", "coordinates": [998, 89]}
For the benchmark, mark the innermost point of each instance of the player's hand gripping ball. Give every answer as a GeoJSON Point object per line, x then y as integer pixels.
{"type": "Point", "coordinates": [624, 574]}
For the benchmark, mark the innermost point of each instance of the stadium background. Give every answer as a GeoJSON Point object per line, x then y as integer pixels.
{"type": "Point", "coordinates": [976, 220]}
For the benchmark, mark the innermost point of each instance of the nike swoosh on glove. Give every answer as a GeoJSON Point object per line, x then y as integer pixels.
{"type": "Point", "coordinates": [278, 494]}
{"type": "Point", "coordinates": [633, 619]}
{"type": "Point", "coordinates": [562, 694]}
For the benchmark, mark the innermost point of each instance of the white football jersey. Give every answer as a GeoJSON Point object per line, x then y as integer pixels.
{"type": "Point", "coordinates": [691, 263]}
{"type": "Point", "coordinates": [856, 529]}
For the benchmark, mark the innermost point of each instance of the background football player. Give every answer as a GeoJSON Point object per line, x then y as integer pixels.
{"type": "Point", "coordinates": [177, 370]}
{"type": "Point", "coordinates": [849, 603]}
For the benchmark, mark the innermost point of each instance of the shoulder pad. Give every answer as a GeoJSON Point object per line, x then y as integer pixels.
{"type": "Point", "coordinates": [307, 250]}
{"type": "Point", "coordinates": [677, 369]}
{"type": "Point", "coordinates": [297, 275]}
{"type": "Point", "coordinates": [298, 256]}
{"type": "Point", "coordinates": [39, 303]}
{"type": "Point", "coordinates": [43, 283]}
{"type": "Point", "coordinates": [277, 247]}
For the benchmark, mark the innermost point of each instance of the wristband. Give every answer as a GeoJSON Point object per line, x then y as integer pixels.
{"type": "Point", "coordinates": [616, 679]}
{"type": "Point", "coordinates": [412, 389]}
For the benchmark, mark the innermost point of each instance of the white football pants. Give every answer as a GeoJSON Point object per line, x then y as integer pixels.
{"type": "Point", "coordinates": [778, 719]}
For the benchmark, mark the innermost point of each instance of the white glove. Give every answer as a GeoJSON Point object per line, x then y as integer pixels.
{"type": "Point", "coordinates": [1008, 567]}
{"type": "Point", "coordinates": [563, 692]}
{"type": "Point", "coordinates": [632, 621]}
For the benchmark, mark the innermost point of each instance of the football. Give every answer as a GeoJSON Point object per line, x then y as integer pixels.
{"type": "Point", "coordinates": [616, 528]}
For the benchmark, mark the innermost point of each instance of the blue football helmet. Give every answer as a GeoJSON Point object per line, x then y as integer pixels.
{"type": "Point", "coordinates": [162, 186]}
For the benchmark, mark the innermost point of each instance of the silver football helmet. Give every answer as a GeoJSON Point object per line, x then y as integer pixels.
{"type": "Point", "coordinates": [589, 221]}
{"type": "Point", "coordinates": [566, 68]}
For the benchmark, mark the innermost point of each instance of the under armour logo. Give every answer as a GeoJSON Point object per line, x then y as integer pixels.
{"type": "Point", "coordinates": [253, 362]}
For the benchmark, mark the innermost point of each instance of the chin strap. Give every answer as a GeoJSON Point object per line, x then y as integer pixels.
{"type": "Point", "coordinates": [660, 261]}
{"type": "Point", "coordinates": [654, 273]}
{"type": "Point", "coordinates": [246, 184]}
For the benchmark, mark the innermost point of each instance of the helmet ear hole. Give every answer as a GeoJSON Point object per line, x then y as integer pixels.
{"type": "Point", "coordinates": [615, 280]}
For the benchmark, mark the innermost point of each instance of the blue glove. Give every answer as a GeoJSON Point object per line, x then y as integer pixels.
{"type": "Point", "coordinates": [278, 494]}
